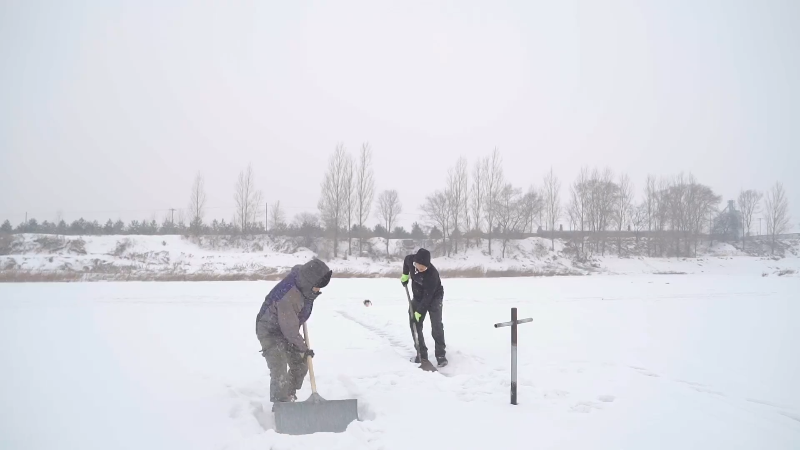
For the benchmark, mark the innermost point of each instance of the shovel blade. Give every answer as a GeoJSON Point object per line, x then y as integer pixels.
{"type": "Point", "coordinates": [315, 415]}
{"type": "Point", "coordinates": [427, 366]}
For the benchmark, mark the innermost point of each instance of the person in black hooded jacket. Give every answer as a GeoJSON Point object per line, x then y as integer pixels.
{"type": "Point", "coordinates": [428, 292]}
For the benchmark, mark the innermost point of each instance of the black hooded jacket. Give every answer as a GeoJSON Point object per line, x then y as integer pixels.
{"type": "Point", "coordinates": [426, 286]}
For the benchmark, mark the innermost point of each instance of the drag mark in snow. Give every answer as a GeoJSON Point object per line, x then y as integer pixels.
{"type": "Point", "coordinates": [394, 342]}
{"type": "Point", "coordinates": [792, 416]}
{"type": "Point", "coordinates": [585, 407]}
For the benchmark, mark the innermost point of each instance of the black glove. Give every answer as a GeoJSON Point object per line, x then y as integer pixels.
{"type": "Point", "coordinates": [308, 353]}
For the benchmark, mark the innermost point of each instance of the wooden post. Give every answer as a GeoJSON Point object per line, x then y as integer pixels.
{"type": "Point", "coordinates": [513, 324]}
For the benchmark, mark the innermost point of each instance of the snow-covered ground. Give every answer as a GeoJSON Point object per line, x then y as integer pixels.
{"type": "Point", "coordinates": [171, 258]}
{"type": "Point", "coordinates": [624, 362]}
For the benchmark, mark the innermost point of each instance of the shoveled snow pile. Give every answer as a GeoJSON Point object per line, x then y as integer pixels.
{"type": "Point", "coordinates": [623, 362]}
{"type": "Point", "coordinates": [170, 258]}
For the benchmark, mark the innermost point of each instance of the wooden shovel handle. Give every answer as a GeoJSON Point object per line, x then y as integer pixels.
{"type": "Point", "coordinates": [309, 360]}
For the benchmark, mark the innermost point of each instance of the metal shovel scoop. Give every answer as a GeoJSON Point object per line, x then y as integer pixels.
{"type": "Point", "coordinates": [316, 414]}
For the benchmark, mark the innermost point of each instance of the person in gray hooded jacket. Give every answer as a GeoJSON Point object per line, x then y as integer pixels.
{"type": "Point", "coordinates": [287, 306]}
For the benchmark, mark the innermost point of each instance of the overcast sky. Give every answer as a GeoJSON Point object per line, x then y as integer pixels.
{"type": "Point", "coordinates": [109, 108]}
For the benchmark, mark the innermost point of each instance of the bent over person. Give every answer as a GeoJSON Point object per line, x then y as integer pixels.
{"type": "Point", "coordinates": [287, 306]}
{"type": "Point", "coordinates": [428, 298]}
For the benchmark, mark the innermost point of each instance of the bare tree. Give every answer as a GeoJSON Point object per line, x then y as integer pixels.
{"type": "Point", "coordinates": [493, 184]}
{"type": "Point", "coordinates": [602, 192]}
{"type": "Point", "coordinates": [776, 210]}
{"type": "Point", "coordinates": [579, 206]}
{"type": "Point", "coordinates": [457, 192]}
{"type": "Point", "coordinates": [197, 203]}
{"type": "Point", "coordinates": [350, 198]}
{"type": "Point", "coordinates": [650, 207]}
{"type": "Point", "coordinates": [307, 226]}
{"type": "Point", "coordinates": [639, 216]}
{"type": "Point", "coordinates": [511, 213]}
{"type": "Point", "coordinates": [478, 193]}
{"type": "Point", "coordinates": [277, 218]}
{"type": "Point", "coordinates": [307, 219]}
{"type": "Point", "coordinates": [332, 203]}
{"type": "Point", "coordinates": [248, 200]}
{"type": "Point", "coordinates": [702, 205]}
{"type": "Point", "coordinates": [623, 205]}
{"type": "Point", "coordinates": [365, 188]}
{"type": "Point", "coordinates": [552, 203]}
{"type": "Point", "coordinates": [531, 206]}
{"type": "Point", "coordinates": [389, 207]}
{"type": "Point", "coordinates": [437, 211]}
{"type": "Point", "coordinates": [749, 202]}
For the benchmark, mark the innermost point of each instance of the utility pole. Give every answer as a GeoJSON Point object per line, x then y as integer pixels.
{"type": "Point", "coordinates": [173, 216]}
{"type": "Point", "coordinates": [759, 226]}
{"type": "Point", "coordinates": [266, 216]}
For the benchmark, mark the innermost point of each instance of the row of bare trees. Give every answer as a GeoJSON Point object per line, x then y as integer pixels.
{"type": "Point", "coordinates": [481, 204]}
{"type": "Point", "coordinates": [248, 199]}
{"type": "Point", "coordinates": [675, 211]}
{"type": "Point", "coordinates": [487, 205]}
{"type": "Point", "coordinates": [347, 196]}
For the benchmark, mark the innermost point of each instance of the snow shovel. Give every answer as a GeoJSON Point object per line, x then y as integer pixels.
{"type": "Point", "coordinates": [425, 364]}
{"type": "Point", "coordinates": [315, 415]}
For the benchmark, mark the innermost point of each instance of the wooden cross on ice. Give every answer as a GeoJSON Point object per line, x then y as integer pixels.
{"type": "Point", "coordinates": [513, 324]}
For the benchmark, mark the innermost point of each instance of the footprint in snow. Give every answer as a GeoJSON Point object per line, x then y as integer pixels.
{"type": "Point", "coordinates": [606, 398]}
{"type": "Point", "coordinates": [585, 407]}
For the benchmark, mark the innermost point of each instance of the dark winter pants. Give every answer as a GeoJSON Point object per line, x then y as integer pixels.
{"type": "Point", "coordinates": [437, 330]}
{"type": "Point", "coordinates": [283, 384]}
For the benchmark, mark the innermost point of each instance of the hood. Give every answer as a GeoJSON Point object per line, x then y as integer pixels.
{"type": "Point", "coordinates": [314, 273]}
{"type": "Point", "coordinates": [423, 257]}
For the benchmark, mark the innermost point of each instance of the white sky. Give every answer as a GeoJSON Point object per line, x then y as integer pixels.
{"type": "Point", "coordinates": [108, 108]}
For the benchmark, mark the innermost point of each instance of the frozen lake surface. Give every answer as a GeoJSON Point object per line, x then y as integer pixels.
{"type": "Point", "coordinates": [623, 362]}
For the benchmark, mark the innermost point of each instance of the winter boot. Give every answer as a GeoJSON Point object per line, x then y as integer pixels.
{"type": "Point", "coordinates": [291, 399]}
{"type": "Point", "coordinates": [441, 360]}
{"type": "Point", "coordinates": [415, 359]}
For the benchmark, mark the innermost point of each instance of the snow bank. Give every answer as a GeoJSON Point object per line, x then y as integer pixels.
{"type": "Point", "coordinates": [32, 257]}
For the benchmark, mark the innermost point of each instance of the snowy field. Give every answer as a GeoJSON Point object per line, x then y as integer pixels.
{"type": "Point", "coordinates": [615, 362]}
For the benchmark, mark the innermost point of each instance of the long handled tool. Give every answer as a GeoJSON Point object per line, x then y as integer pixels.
{"type": "Point", "coordinates": [315, 414]}
{"type": "Point", "coordinates": [425, 364]}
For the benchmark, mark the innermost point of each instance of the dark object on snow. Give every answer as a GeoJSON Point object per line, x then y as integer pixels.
{"type": "Point", "coordinates": [367, 303]}
{"type": "Point", "coordinates": [513, 324]}
{"type": "Point", "coordinates": [424, 363]}
{"type": "Point", "coordinates": [315, 415]}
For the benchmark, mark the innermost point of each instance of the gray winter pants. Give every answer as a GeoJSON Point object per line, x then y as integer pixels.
{"type": "Point", "coordinates": [437, 330]}
{"type": "Point", "coordinates": [283, 383]}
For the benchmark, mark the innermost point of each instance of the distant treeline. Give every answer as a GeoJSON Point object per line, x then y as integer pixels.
{"type": "Point", "coordinates": [477, 204]}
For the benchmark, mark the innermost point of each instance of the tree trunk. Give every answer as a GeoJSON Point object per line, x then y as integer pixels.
{"type": "Point", "coordinates": [335, 242]}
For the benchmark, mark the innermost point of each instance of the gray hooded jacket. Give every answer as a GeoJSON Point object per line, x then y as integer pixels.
{"type": "Point", "coordinates": [289, 303]}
